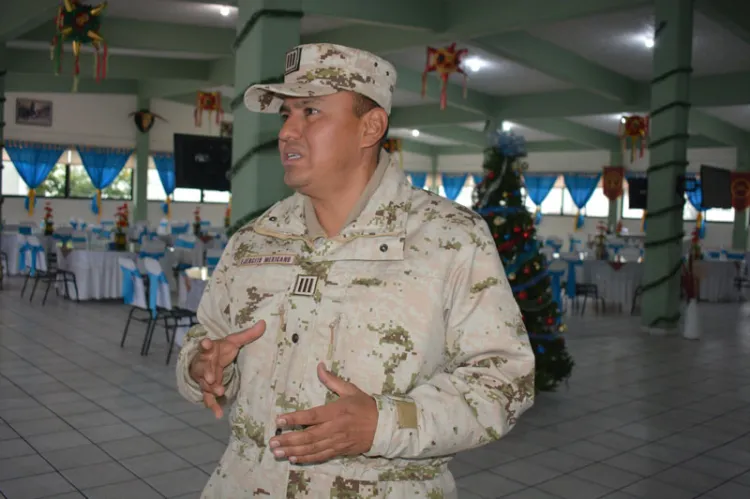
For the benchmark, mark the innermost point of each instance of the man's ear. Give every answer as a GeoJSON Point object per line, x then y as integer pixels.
{"type": "Point", "coordinates": [375, 124]}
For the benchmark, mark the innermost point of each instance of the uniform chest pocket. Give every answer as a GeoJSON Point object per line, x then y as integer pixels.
{"type": "Point", "coordinates": [257, 292]}
{"type": "Point", "coordinates": [392, 327]}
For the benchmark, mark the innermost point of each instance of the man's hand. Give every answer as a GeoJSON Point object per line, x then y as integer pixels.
{"type": "Point", "coordinates": [207, 367]}
{"type": "Point", "coordinates": [345, 427]}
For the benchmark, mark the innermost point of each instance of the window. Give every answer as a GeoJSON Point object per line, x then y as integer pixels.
{"type": "Point", "coordinates": [720, 215]}
{"type": "Point", "coordinates": [552, 204]}
{"type": "Point", "coordinates": [466, 196]}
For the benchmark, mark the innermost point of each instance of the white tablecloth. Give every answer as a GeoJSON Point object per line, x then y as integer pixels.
{"type": "Point", "coordinates": [717, 281]}
{"type": "Point", "coordinates": [97, 273]}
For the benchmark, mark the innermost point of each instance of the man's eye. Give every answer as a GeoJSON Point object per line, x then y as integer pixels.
{"type": "Point", "coordinates": [284, 117]}
{"type": "Point", "coordinates": [309, 111]}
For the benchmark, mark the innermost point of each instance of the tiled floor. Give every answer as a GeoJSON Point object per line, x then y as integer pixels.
{"type": "Point", "coordinates": [643, 417]}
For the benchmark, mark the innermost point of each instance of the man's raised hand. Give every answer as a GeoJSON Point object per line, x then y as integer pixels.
{"type": "Point", "coordinates": [207, 367]}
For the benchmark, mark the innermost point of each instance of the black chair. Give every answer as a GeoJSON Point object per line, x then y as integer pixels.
{"type": "Point", "coordinates": [54, 272]}
{"type": "Point", "coordinates": [4, 267]}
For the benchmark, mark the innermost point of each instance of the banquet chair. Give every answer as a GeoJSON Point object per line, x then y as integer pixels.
{"type": "Point", "coordinates": [53, 275]}
{"type": "Point", "coordinates": [212, 258]}
{"type": "Point", "coordinates": [134, 295]}
{"type": "Point", "coordinates": [160, 305]}
{"type": "Point", "coordinates": [31, 259]}
{"type": "Point", "coordinates": [629, 254]}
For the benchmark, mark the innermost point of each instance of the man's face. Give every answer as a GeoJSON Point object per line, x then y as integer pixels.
{"type": "Point", "coordinates": [319, 141]}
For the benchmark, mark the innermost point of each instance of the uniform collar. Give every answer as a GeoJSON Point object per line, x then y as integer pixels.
{"type": "Point", "coordinates": [382, 208]}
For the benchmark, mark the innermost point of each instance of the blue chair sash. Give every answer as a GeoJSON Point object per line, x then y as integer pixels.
{"type": "Point", "coordinates": [153, 290]}
{"type": "Point", "coordinates": [734, 256]}
{"type": "Point", "coordinates": [181, 243]}
{"type": "Point", "coordinates": [63, 238]}
{"type": "Point", "coordinates": [556, 283]}
{"type": "Point", "coordinates": [74, 224]}
{"type": "Point", "coordinates": [571, 283]}
{"type": "Point", "coordinates": [25, 230]}
{"type": "Point", "coordinates": [573, 242]}
{"type": "Point", "coordinates": [148, 254]}
{"type": "Point", "coordinates": [78, 239]}
{"type": "Point", "coordinates": [615, 248]}
{"type": "Point", "coordinates": [33, 251]}
{"type": "Point", "coordinates": [128, 284]}
{"type": "Point", "coordinates": [553, 244]}
{"type": "Point", "coordinates": [714, 254]}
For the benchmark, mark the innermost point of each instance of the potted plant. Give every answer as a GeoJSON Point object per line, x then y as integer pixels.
{"type": "Point", "coordinates": [600, 242]}
{"type": "Point", "coordinates": [197, 222]}
{"type": "Point", "coordinates": [122, 223]}
{"type": "Point", "coordinates": [49, 222]}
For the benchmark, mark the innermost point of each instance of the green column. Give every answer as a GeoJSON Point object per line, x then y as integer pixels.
{"type": "Point", "coordinates": [140, 181]}
{"type": "Point", "coordinates": [615, 206]}
{"type": "Point", "coordinates": [260, 55]}
{"type": "Point", "coordinates": [670, 103]}
{"type": "Point", "coordinates": [739, 231]}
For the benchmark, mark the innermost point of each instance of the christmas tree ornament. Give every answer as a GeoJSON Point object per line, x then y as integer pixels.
{"type": "Point", "coordinates": [79, 24]}
{"type": "Point", "coordinates": [498, 221]}
{"type": "Point", "coordinates": [393, 146]}
{"type": "Point", "coordinates": [144, 119]}
{"type": "Point", "coordinates": [612, 182]}
{"type": "Point", "coordinates": [49, 222]}
{"type": "Point", "coordinates": [445, 61]}
{"type": "Point", "coordinates": [635, 129]}
{"type": "Point", "coordinates": [208, 101]}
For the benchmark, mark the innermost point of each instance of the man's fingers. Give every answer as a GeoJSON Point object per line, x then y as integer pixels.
{"type": "Point", "coordinates": [247, 336]}
{"type": "Point", "coordinates": [309, 417]}
{"type": "Point", "coordinates": [301, 438]}
{"type": "Point", "coordinates": [310, 449]}
{"type": "Point", "coordinates": [319, 457]}
{"type": "Point", "coordinates": [210, 402]}
{"type": "Point", "coordinates": [206, 345]}
{"type": "Point", "coordinates": [210, 368]}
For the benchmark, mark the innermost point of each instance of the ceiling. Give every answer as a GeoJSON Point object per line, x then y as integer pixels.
{"type": "Point", "coordinates": [560, 75]}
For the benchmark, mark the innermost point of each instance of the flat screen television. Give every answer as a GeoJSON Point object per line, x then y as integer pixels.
{"type": "Point", "coordinates": [202, 162]}
{"type": "Point", "coordinates": [637, 192]}
{"type": "Point", "coordinates": [716, 187]}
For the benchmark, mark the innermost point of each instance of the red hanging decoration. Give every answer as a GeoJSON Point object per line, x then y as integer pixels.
{"type": "Point", "coordinates": [634, 128]}
{"type": "Point", "coordinates": [208, 101]}
{"type": "Point", "coordinates": [79, 24]}
{"type": "Point", "coordinates": [445, 61]}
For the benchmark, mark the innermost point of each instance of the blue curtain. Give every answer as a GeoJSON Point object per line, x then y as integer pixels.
{"type": "Point", "coordinates": [695, 198]}
{"type": "Point", "coordinates": [581, 187]}
{"type": "Point", "coordinates": [538, 188]}
{"type": "Point", "coordinates": [478, 177]}
{"type": "Point", "coordinates": [103, 164]}
{"type": "Point", "coordinates": [418, 179]}
{"type": "Point", "coordinates": [33, 163]}
{"type": "Point", "coordinates": [165, 166]}
{"type": "Point", "coordinates": [452, 184]}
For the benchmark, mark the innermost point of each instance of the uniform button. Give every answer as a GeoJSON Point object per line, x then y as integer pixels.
{"type": "Point", "coordinates": [295, 337]}
{"type": "Point", "coordinates": [278, 431]}
{"type": "Point", "coordinates": [383, 248]}
{"type": "Point", "coordinates": [272, 219]}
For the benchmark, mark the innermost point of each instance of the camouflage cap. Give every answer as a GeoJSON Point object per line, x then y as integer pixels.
{"type": "Point", "coordinates": [319, 69]}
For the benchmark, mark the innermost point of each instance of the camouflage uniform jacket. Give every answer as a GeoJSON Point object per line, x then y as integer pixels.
{"type": "Point", "coordinates": [409, 302]}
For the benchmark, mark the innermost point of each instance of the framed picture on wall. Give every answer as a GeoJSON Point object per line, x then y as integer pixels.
{"type": "Point", "coordinates": [33, 112]}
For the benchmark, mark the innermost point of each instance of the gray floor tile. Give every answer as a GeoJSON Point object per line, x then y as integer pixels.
{"type": "Point", "coordinates": [209, 452]}
{"type": "Point", "coordinates": [34, 487]}
{"type": "Point", "coordinates": [688, 479]}
{"type": "Point", "coordinates": [650, 488]}
{"type": "Point", "coordinates": [19, 467]}
{"type": "Point", "coordinates": [485, 458]}
{"type": "Point", "coordinates": [461, 468]}
{"type": "Point", "coordinates": [179, 482]}
{"type": "Point", "coordinates": [99, 434]}
{"type": "Point", "coordinates": [155, 464]}
{"type": "Point", "coordinates": [58, 440]}
{"type": "Point", "coordinates": [488, 484]}
{"type": "Point", "coordinates": [75, 457]}
{"type": "Point", "coordinates": [526, 472]}
{"type": "Point", "coordinates": [530, 493]}
{"type": "Point", "coordinates": [63, 409]}
{"type": "Point", "coordinates": [131, 447]}
{"type": "Point", "coordinates": [40, 426]}
{"type": "Point", "coordinates": [157, 425]}
{"type": "Point", "coordinates": [92, 419]}
{"type": "Point", "coordinates": [23, 415]}
{"type": "Point", "coordinates": [634, 463]}
{"type": "Point", "coordinates": [14, 448]}
{"type": "Point", "coordinates": [125, 490]}
{"type": "Point", "coordinates": [7, 433]}
{"type": "Point", "coordinates": [715, 467]}
{"type": "Point", "coordinates": [560, 461]}
{"type": "Point", "coordinates": [96, 475]}
{"type": "Point", "coordinates": [69, 495]}
{"type": "Point", "coordinates": [588, 450]}
{"type": "Point", "coordinates": [219, 430]}
{"type": "Point", "coordinates": [182, 438]}
{"type": "Point", "coordinates": [608, 476]}
{"type": "Point", "coordinates": [730, 490]}
{"type": "Point", "coordinates": [570, 487]}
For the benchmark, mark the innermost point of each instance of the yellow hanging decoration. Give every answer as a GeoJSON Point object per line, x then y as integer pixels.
{"type": "Point", "coordinates": [699, 221]}
{"type": "Point", "coordinates": [32, 198]}
{"type": "Point", "coordinates": [99, 206]}
{"type": "Point", "coordinates": [169, 208]}
{"type": "Point", "coordinates": [643, 222]}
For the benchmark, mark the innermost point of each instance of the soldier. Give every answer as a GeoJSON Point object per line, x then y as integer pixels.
{"type": "Point", "coordinates": [364, 328]}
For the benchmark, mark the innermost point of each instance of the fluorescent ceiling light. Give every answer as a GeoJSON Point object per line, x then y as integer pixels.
{"type": "Point", "coordinates": [225, 10]}
{"type": "Point", "coordinates": [648, 41]}
{"type": "Point", "coordinates": [507, 125]}
{"type": "Point", "coordinates": [415, 133]}
{"type": "Point", "coordinates": [474, 64]}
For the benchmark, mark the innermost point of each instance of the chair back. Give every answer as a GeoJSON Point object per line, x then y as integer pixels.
{"type": "Point", "coordinates": [159, 294]}
{"type": "Point", "coordinates": [554, 242]}
{"type": "Point", "coordinates": [108, 224]}
{"type": "Point", "coordinates": [575, 243]}
{"type": "Point", "coordinates": [26, 228]}
{"type": "Point", "coordinates": [548, 252]}
{"type": "Point", "coordinates": [133, 290]}
{"type": "Point", "coordinates": [31, 255]}
{"type": "Point", "coordinates": [79, 240]}
{"type": "Point", "coordinates": [180, 228]}
{"type": "Point", "coordinates": [556, 270]}
{"type": "Point", "coordinates": [153, 249]}
{"type": "Point", "coordinates": [212, 259]}
{"type": "Point", "coordinates": [185, 241]}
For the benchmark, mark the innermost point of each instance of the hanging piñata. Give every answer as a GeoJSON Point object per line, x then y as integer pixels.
{"type": "Point", "coordinates": [393, 146]}
{"type": "Point", "coordinates": [145, 119]}
{"type": "Point", "coordinates": [445, 61]}
{"type": "Point", "coordinates": [208, 101]}
{"type": "Point", "coordinates": [79, 24]}
{"type": "Point", "coordinates": [634, 128]}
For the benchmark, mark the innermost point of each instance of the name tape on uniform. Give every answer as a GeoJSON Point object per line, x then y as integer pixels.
{"type": "Point", "coordinates": [269, 259]}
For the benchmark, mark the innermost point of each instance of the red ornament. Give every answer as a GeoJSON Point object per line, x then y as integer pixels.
{"type": "Point", "coordinates": [540, 300]}
{"type": "Point", "coordinates": [445, 61]}
{"type": "Point", "coordinates": [522, 295]}
{"type": "Point", "coordinates": [527, 270]}
{"type": "Point", "coordinates": [495, 235]}
{"type": "Point", "coordinates": [491, 175]}
{"type": "Point", "coordinates": [634, 128]}
{"type": "Point", "coordinates": [516, 229]}
{"type": "Point", "coordinates": [550, 321]}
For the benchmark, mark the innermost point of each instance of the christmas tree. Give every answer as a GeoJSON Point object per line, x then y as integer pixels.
{"type": "Point", "coordinates": [499, 200]}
